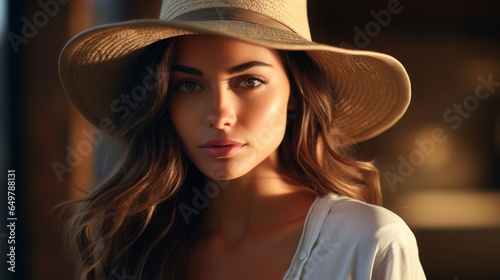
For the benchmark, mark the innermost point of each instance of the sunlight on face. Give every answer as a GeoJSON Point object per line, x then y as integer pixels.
{"type": "Point", "coordinates": [228, 104]}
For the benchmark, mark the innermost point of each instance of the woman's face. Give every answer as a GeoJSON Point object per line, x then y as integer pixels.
{"type": "Point", "coordinates": [228, 103]}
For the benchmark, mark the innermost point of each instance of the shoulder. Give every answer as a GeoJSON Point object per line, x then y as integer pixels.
{"type": "Point", "coordinates": [358, 241]}
{"type": "Point", "coordinates": [355, 227]}
{"type": "Point", "coordinates": [348, 239]}
{"type": "Point", "coordinates": [351, 215]}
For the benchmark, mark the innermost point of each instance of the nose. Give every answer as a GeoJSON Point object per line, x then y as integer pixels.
{"type": "Point", "coordinates": [221, 108]}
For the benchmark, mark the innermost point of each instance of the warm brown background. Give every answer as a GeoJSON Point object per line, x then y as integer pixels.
{"type": "Point", "coordinates": [451, 200]}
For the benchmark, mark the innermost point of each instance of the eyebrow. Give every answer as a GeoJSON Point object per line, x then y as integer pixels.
{"type": "Point", "coordinates": [232, 70]}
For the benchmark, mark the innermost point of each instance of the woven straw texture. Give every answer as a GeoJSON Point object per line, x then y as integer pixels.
{"type": "Point", "coordinates": [373, 89]}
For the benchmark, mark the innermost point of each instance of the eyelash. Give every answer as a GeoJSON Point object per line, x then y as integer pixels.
{"type": "Point", "coordinates": [178, 84]}
{"type": "Point", "coordinates": [252, 78]}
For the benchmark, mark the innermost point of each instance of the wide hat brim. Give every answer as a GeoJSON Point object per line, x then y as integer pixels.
{"type": "Point", "coordinates": [373, 89]}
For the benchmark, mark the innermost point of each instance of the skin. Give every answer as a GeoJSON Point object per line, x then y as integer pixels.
{"type": "Point", "coordinates": [227, 89]}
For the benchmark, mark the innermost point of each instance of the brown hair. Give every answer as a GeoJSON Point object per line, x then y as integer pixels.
{"type": "Point", "coordinates": [131, 223]}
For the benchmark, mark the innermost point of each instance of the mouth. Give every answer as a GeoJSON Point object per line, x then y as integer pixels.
{"type": "Point", "coordinates": [222, 148]}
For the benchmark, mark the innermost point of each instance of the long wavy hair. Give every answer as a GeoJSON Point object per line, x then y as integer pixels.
{"type": "Point", "coordinates": [134, 224]}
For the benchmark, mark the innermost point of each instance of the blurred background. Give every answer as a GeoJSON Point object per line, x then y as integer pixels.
{"type": "Point", "coordinates": [440, 165]}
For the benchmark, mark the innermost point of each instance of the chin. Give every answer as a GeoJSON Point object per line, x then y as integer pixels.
{"type": "Point", "coordinates": [225, 173]}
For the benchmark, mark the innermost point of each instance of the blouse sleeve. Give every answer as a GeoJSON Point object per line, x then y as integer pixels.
{"type": "Point", "coordinates": [398, 260]}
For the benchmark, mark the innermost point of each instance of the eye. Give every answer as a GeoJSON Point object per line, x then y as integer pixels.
{"type": "Point", "coordinates": [187, 86]}
{"type": "Point", "coordinates": [251, 82]}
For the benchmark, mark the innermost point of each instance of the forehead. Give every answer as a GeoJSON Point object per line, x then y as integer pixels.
{"type": "Point", "coordinates": [198, 49]}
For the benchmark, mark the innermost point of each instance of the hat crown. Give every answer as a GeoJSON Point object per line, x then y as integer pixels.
{"type": "Point", "coordinates": [291, 13]}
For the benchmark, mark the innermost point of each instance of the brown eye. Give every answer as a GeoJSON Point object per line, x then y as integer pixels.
{"type": "Point", "coordinates": [188, 86]}
{"type": "Point", "coordinates": [251, 83]}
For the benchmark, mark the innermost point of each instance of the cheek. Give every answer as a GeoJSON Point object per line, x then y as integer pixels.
{"type": "Point", "coordinates": [267, 120]}
{"type": "Point", "coordinates": [270, 116]}
{"type": "Point", "coordinates": [182, 117]}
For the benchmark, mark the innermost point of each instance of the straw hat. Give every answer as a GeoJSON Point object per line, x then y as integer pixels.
{"type": "Point", "coordinates": [373, 89]}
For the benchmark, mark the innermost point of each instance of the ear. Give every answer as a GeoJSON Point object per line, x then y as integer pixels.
{"type": "Point", "coordinates": [292, 103]}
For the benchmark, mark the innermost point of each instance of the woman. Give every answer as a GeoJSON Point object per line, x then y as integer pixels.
{"type": "Point", "coordinates": [233, 127]}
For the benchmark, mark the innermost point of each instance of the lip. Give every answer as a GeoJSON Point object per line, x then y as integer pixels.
{"type": "Point", "coordinates": [221, 148]}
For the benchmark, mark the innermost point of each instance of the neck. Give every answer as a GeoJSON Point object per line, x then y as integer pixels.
{"type": "Point", "coordinates": [258, 200]}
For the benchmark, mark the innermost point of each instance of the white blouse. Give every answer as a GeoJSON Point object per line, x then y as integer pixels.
{"type": "Point", "coordinates": [344, 238]}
